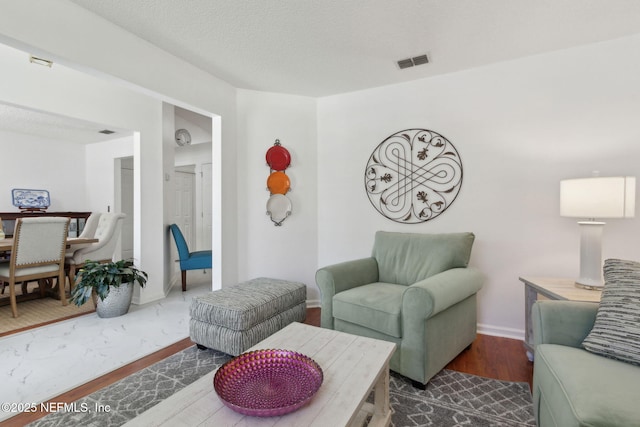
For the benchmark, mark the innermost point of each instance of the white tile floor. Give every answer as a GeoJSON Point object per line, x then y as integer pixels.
{"type": "Point", "coordinates": [42, 363]}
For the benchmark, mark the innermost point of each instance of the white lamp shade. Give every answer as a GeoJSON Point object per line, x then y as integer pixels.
{"type": "Point", "coordinates": [598, 197]}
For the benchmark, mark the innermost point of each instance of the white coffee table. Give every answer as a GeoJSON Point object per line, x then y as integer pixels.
{"type": "Point", "coordinates": [353, 366]}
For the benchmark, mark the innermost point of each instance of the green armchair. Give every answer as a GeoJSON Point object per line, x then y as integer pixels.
{"type": "Point", "coordinates": [571, 386]}
{"type": "Point", "coordinates": [415, 291]}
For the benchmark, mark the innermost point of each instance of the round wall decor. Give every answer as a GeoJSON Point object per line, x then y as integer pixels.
{"type": "Point", "coordinates": [413, 176]}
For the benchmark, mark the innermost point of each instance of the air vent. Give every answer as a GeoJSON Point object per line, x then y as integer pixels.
{"type": "Point", "coordinates": [405, 63]}
{"type": "Point", "coordinates": [419, 60]}
{"type": "Point", "coordinates": [106, 131]}
{"type": "Point", "coordinates": [410, 62]}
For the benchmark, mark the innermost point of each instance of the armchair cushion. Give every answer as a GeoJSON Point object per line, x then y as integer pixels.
{"type": "Point", "coordinates": [375, 306]}
{"type": "Point", "coordinates": [616, 333]}
{"type": "Point", "coordinates": [405, 258]}
{"type": "Point", "coordinates": [381, 306]}
{"type": "Point", "coordinates": [573, 387]}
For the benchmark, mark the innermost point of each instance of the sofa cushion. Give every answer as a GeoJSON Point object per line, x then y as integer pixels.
{"type": "Point", "coordinates": [375, 306]}
{"type": "Point", "coordinates": [406, 258]}
{"type": "Point", "coordinates": [616, 332]}
{"type": "Point", "coordinates": [578, 388]}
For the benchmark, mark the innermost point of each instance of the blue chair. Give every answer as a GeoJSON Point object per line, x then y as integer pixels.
{"type": "Point", "coordinates": [189, 260]}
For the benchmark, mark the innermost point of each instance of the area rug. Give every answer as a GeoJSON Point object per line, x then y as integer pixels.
{"type": "Point", "coordinates": [451, 398]}
{"type": "Point", "coordinates": [38, 312]}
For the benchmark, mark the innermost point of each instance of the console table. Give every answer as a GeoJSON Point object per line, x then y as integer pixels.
{"type": "Point", "coordinates": [76, 225]}
{"type": "Point", "coordinates": [553, 289]}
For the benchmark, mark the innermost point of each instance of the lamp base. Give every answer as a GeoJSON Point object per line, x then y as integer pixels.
{"type": "Point", "coordinates": [590, 255]}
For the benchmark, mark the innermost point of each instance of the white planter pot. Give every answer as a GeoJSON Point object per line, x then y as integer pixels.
{"type": "Point", "coordinates": [117, 302]}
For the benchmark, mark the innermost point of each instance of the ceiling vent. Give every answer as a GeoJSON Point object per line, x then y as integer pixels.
{"type": "Point", "coordinates": [410, 62]}
{"type": "Point", "coordinates": [106, 131]}
{"type": "Point", "coordinates": [405, 63]}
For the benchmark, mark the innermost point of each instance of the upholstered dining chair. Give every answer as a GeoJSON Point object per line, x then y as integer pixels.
{"type": "Point", "coordinates": [37, 253]}
{"type": "Point", "coordinates": [107, 230]}
{"type": "Point", "coordinates": [88, 232]}
{"type": "Point", "coordinates": [189, 260]}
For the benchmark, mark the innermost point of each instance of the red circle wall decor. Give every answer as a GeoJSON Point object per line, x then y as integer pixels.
{"type": "Point", "coordinates": [413, 176]}
{"type": "Point", "coordinates": [278, 158]}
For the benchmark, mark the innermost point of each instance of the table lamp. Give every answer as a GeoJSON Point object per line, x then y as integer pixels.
{"type": "Point", "coordinates": [591, 198]}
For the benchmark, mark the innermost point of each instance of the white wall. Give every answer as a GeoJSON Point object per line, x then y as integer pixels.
{"type": "Point", "coordinates": [519, 127]}
{"type": "Point", "coordinates": [100, 173]}
{"type": "Point", "coordinates": [92, 44]}
{"type": "Point", "coordinates": [31, 162]}
{"type": "Point", "coordinates": [289, 251]}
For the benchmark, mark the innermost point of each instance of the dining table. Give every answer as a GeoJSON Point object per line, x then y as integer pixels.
{"type": "Point", "coordinates": [6, 245]}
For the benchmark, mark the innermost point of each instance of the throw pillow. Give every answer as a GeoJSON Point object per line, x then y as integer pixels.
{"type": "Point", "coordinates": [616, 332]}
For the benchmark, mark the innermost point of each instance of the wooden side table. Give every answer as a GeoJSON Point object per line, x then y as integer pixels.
{"type": "Point", "coordinates": [551, 288]}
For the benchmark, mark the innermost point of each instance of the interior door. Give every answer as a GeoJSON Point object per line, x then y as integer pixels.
{"type": "Point", "coordinates": [183, 214]}
{"type": "Point", "coordinates": [207, 208]}
{"type": "Point", "coordinates": [126, 207]}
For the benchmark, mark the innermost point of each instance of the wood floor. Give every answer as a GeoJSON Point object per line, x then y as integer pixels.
{"type": "Point", "coordinates": [489, 356]}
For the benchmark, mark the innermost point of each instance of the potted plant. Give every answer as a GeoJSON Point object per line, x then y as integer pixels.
{"type": "Point", "coordinates": [111, 282]}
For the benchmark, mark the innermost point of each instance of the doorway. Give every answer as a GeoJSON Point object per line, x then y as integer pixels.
{"type": "Point", "coordinates": [183, 212]}
{"type": "Point", "coordinates": [126, 207]}
{"type": "Point", "coordinates": [124, 204]}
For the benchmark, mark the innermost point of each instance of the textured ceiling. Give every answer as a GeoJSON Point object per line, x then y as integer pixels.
{"type": "Point", "coordinates": [324, 47]}
{"type": "Point", "coordinates": [54, 127]}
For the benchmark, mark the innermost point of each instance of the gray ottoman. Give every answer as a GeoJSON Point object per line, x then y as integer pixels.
{"type": "Point", "coordinates": [235, 318]}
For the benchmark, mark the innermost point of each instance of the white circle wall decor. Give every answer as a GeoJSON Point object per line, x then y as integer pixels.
{"type": "Point", "coordinates": [413, 176]}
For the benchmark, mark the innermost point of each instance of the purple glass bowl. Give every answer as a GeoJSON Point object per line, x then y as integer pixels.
{"type": "Point", "coordinates": [267, 383]}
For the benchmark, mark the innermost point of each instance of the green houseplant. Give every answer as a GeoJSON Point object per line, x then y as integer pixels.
{"type": "Point", "coordinates": [111, 282]}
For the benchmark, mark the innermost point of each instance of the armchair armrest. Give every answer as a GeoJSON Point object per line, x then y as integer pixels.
{"type": "Point", "coordinates": [562, 322]}
{"type": "Point", "coordinates": [340, 277]}
{"type": "Point", "coordinates": [430, 296]}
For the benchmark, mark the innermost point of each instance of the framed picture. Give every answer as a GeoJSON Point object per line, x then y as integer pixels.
{"type": "Point", "coordinates": [30, 199]}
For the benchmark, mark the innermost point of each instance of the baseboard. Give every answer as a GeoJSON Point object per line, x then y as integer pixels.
{"type": "Point", "coordinates": [313, 303]}
{"type": "Point", "coordinates": [497, 331]}
{"type": "Point", "coordinates": [149, 298]}
{"type": "Point", "coordinates": [500, 331]}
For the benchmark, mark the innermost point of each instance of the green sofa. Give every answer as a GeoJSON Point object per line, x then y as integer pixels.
{"type": "Point", "coordinates": [571, 386]}
{"type": "Point", "coordinates": [415, 291]}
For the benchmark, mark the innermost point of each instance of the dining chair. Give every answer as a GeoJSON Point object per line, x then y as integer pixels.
{"type": "Point", "coordinates": [107, 230]}
{"type": "Point", "coordinates": [37, 253]}
{"type": "Point", "coordinates": [189, 260]}
{"type": "Point", "coordinates": [88, 232]}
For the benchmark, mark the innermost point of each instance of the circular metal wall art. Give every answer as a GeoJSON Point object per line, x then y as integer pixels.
{"type": "Point", "coordinates": [413, 176]}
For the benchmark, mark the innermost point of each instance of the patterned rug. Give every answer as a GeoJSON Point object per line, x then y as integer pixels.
{"type": "Point", "coordinates": [38, 312]}
{"type": "Point", "coordinates": [451, 398]}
